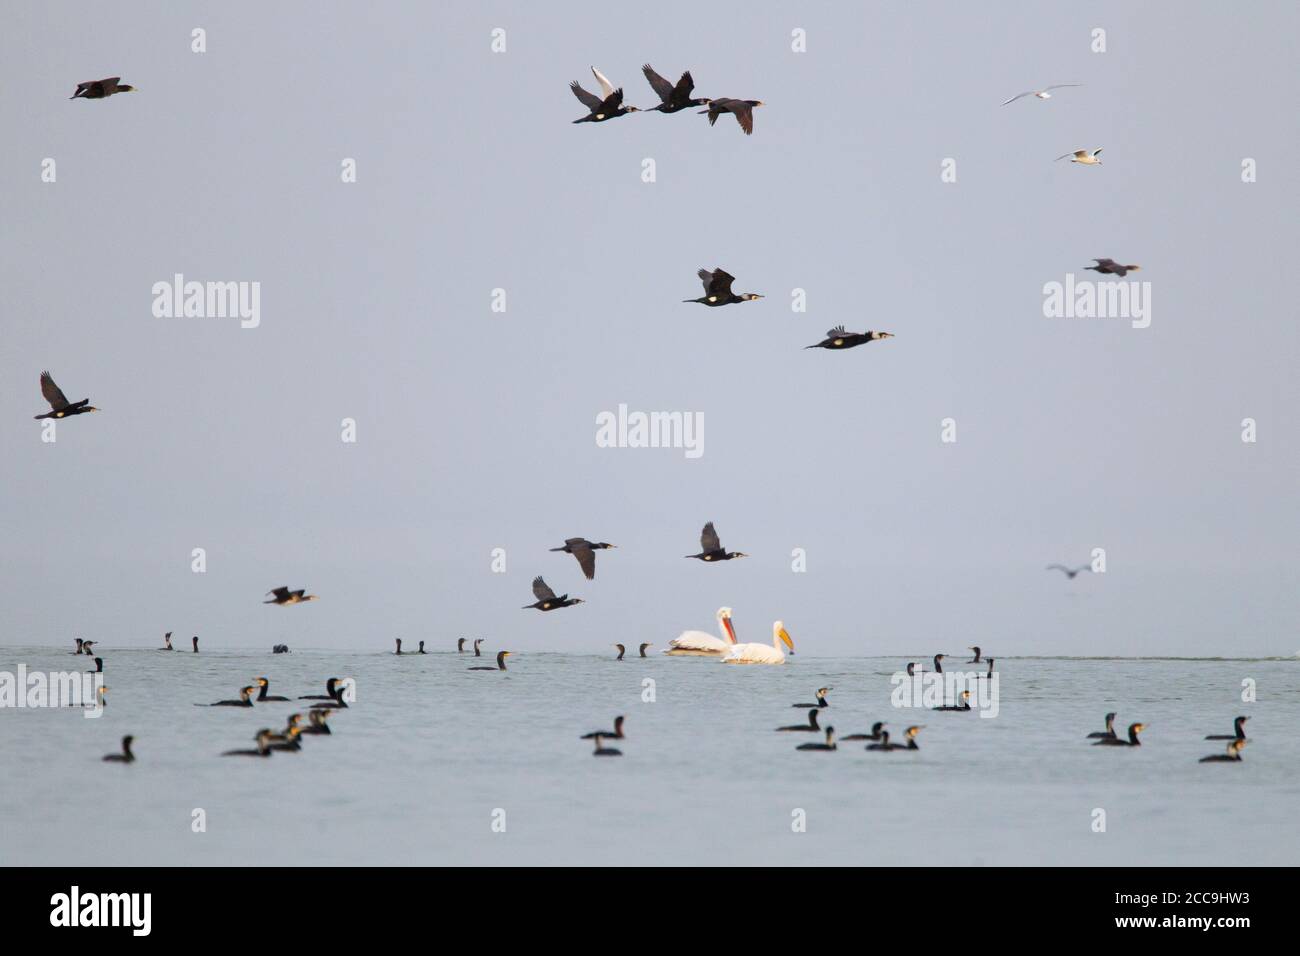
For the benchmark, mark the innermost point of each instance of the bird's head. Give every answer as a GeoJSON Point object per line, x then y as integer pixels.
{"type": "Point", "coordinates": [90, 408]}
{"type": "Point", "coordinates": [262, 682]}
{"type": "Point", "coordinates": [740, 554]}
{"type": "Point", "coordinates": [127, 89]}
{"type": "Point", "coordinates": [577, 601]}
{"type": "Point", "coordinates": [884, 335]}
{"type": "Point", "coordinates": [631, 109]}
{"type": "Point", "coordinates": [759, 103]}
{"type": "Point", "coordinates": [751, 296]}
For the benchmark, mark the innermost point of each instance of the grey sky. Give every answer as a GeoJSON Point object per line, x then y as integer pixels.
{"type": "Point", "coordinates": [476, 430]}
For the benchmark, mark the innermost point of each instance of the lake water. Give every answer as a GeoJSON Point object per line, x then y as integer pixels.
{"type": "Point", "coordinates": [418, 768]}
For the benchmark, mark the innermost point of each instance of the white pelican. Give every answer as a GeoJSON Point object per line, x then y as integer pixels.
{"type": "Point", "coordinates": [761, 653]}
{"type": "Point", "coordinates": [1086, 156]}
{"type": "Point", "coordinates": [1043, 94]}
{"type": "Point", "coordinates": [700, 644]}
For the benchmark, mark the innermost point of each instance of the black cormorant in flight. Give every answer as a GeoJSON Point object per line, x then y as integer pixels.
{"type": "Point", "coordinates": [283, 596]}
{"type": "Point", "coordinates": [60, 407]}
{"type": "Point", "coordinates": [584, 551]}
{"type": "Point", "coordinates": [837, 338]}
{"type": "Point", "coordinates": [673, 98]}
{"type": "Point", "coordinates": [711, 547]}
{"type": "Point", "coordinates": [100, 89]}
{"type": "Point", "coordinates": [546, 599]}
{"type": "Point", "coordinates": [1111, 267]}
{"type": "Point", "coordinates": [609, 105]}
{"type": "Point", "coordinates": [717, 289]}
{"type": "Point", "coordinates": [743, 110]}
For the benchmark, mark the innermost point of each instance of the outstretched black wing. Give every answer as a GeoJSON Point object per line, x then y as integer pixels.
{"type": "Point", "coordinates": [613, 102]}
{"type": "Point", "coordinates": [53, 394]}
{"type": "Point", "coordinates": [709, 540]}
{"type": "Point", "coordinates": [589, 100]}
{"type": "Point", "coordinates": [663, 89]}
{"type": "Point", "coordinates": [685, 86]}
{"type": "Point", "coordinates": [580, 548]}
{"type": "Point", "coordinates": [541, 591]}
{"type": "Point", "coordinates": [280, 593]}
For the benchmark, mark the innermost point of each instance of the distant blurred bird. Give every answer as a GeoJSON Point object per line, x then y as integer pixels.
{"type": "Point", "coordinates": [584, 551]}
{"type": "Point", "coordinates": [546, 599]}
{"type": "Point", "coordinates": [1111, 267]}
{"type": "Point", "coordinates": [609, 105]}
{"type": "Point", "coordinates": [1232, 756]}
{"type": "Point", "coordinates": [743, 110]}
{"type": "Point", "coordinates": [1043, 94]}
{"type": "Point", "coordinates": [616, 733]}
{"type": "Point", "coordinates": [673, 98]}
{"type": "Point", "coordinates": [100, 89]}
{"type": "Point", "coordinates": [60, 407]}
{"type": "Point", "coordinates": [837, 338]}
{"type": "Point", "coordinates": [717, 289]}
{"type": "Point", "coordinates": [1069, 572]}
{"type": "Point", "coordinates": [605, 751]}
{"type": "Point", "coordinates": [284, 596]}
{"type": "Point", "coordinates": [1087, 157]}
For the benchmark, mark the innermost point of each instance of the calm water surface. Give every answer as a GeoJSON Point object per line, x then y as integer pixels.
{"type": "Point", "coordinates": [417, 766]}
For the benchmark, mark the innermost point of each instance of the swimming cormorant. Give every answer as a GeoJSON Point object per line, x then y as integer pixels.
{"type": "Point", "coordinates": [99, 666]}
{"type": "Point", "coordinates": [644, 645]}
{"type": "Point", "coordinates": [876, 729]}
{"type": "Point", "coordinates": [621, 651]}
{"type": "Point", "coordinates": [477, 642]}
{"type": "Point", "coordinates": [60, 407]}
{"type": "Point", "coordinates": [938, 667]}
{"type": "Point", "coordinates": [196, 644]}
{"type": "Point", "coordinates": [743, 110]}
{"type": "Point", "coordinates": [882, 743]}
{"type": "Point", "coordinates": [316, 722]}
{"type": "Point", "coordinates": [1133, 731]}
{"type": "Point", "coordinates": [585, 552]}
{"type": "Point", "coordinates": [80, 643]}
{"type": "Point", "coordinates": [245, 699]}
{"type": "Point", "coordinates": [100, 89]}
{"type": "Point", "coordinates": [329, 691]}
{"type": "Point", "coordinates": [607, 106]}
{"type": "Point", "coordinates": [167, 642]}
{"type": "Point", "coordinates": [263, 739]}
{"type": "Point", "coordinates": [1232, 756]}
{"type": "Point", "coordinates": [616, 733]}
{"type": "Point", "coordinates": [262, 694]}
{"type": "Point", "coordinates": [963, 703]}
{"type": "Point", "coordinates": [810, 726]}
{"type": "Point", "coordinates": [460, 645]}
{"type": "Point", "coordinates": [976, 658]}
{"type": "Point", "coordinates": [125, 756]}
{"type": "Point", "coordinates": [711, 547]}
{"type": "Point", "coordinates": [1108, 732]}
{"type": "Point", "coordinates": [421, 650]}
{"type": "Point", "coordinates": [837, 338]}
{"type": "Point", "coordinates": [546, 599]}
{"type": "Point", "coordinates": [605, 751]}
{"type": "Point", "coordinates": [717, 289]}
{"type": "Point", "coordinates": [399, 645]}
{"type": "Point", "coordinates": [501, 663]}
{"type": "Point", "coordinates": [291, 740]}
{"type": "Point", "coordinates": [828, 745]}
{"type": "Point", "coordinates": [821, 698]}
{"type": "Point", "coordinates": [1238, 727]}
{"type": "Point", "coordinates": [283, 596]}
{"type": "Point", "coordinates": [86, 648]}
{"type": "Point", "coordinates": [910, 733]}
{"type": "Point", "coordinates": [673, 98]}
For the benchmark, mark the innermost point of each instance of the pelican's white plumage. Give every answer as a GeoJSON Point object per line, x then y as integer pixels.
{"type": "Point", "coordinates": [762, 653]}
{"type": "Point", "coordinates": [702, 644]}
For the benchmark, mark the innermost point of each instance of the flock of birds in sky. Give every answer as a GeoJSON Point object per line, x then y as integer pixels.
{"type": "Point", "coordinates": [718, 292]}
